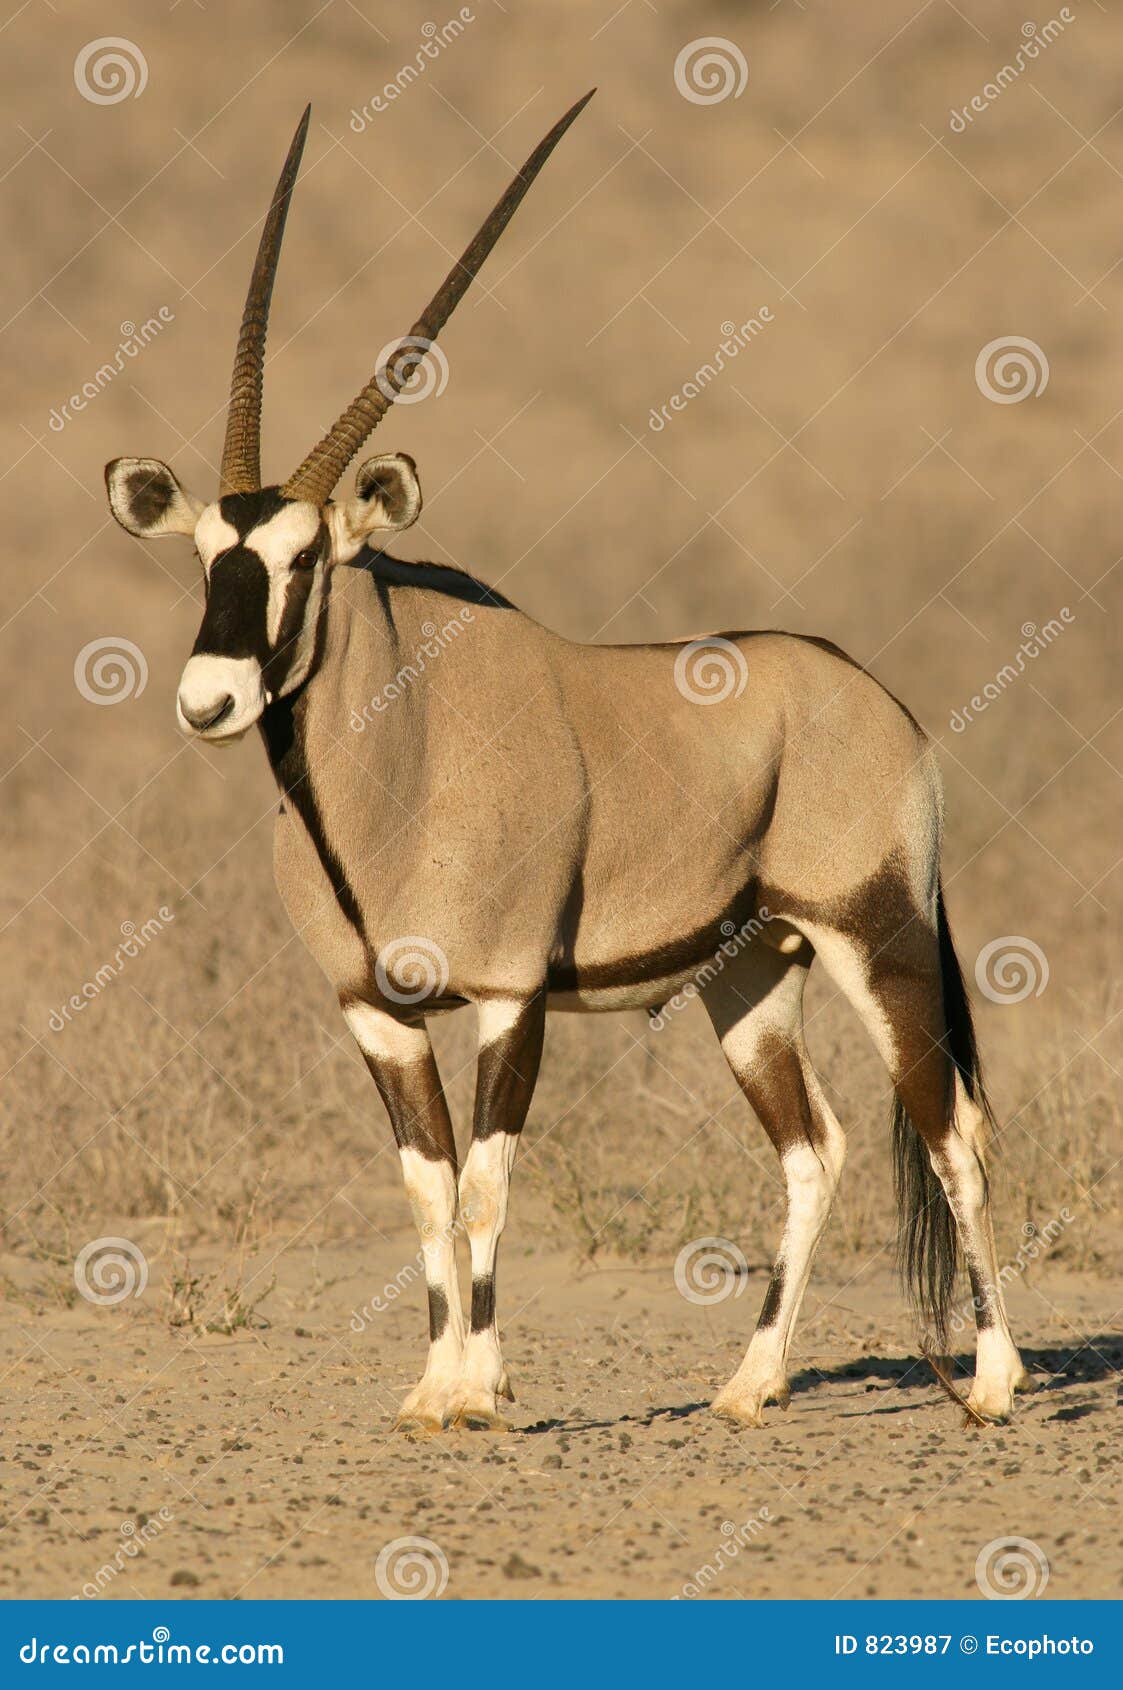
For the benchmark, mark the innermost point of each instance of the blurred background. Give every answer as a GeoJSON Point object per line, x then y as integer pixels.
{"type": "Point", "coordinates": [892, 191]}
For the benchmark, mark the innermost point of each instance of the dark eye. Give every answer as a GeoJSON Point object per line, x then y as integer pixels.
{"type": "Point", "coordinates": [307, 559]}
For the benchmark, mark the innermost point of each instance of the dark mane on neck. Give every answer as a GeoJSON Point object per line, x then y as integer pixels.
{"type": "Point", "coordinates": [432, 577]}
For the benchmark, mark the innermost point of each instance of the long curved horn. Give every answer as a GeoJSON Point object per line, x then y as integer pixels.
{"type": "Point", "coordinates": [241, 452]}
{"type": "Point", "coordinates": [324, 465]}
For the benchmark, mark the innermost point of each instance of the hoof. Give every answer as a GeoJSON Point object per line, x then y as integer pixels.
{"type": "Point", "coordinates": [417, 1425]}
{"type": "Point", "coordinates": [995, 1404]}
{"type": "Point", "coordinates": [745, 1406]}
{"type": "Point", "coordinates": [468, 1419]}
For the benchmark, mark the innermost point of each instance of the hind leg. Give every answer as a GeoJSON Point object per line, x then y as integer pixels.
{"type": "Point", "coordinates": [894, 980]}
{"type": "Point", "coordinates": [756, 1007]}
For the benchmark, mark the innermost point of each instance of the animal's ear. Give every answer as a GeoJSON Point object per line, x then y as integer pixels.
{"type": "Point", "coordinates": [388, 499]}
{"type": "Point", "coordinates": [148, 501]}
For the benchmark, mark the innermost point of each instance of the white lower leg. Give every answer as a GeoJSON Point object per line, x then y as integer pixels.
{"type": "Point", "coordinates": [431, 1188]}
{"type": "Point", "coordinates": [998, 1366]}
{"type": "Point", "coordinates": [811, 1176]}
{"type": "Point", "coordinates": [484, 1186]}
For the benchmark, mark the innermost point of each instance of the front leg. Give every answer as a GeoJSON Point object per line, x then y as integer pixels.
{"type": "Point", "coordinates": [400, 1058]}
{"type": "Point", "coordinates": [510, 1049]}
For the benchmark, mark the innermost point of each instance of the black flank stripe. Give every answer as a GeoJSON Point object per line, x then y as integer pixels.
{"type": "Point", "coordinates": [281, 727]}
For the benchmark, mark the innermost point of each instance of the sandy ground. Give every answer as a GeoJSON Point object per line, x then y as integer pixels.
{"type": "Point", "coordinates": [272, 1457]}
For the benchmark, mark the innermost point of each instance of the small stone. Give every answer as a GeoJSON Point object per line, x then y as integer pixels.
{"type": "Point", "coordinates": [516, 1568]}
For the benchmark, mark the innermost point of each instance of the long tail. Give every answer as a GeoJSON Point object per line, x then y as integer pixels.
{"type": "Point", "coordinates": [928, 1243]}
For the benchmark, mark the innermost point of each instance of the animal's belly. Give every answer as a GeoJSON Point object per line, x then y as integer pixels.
{"type": "Point", "coordinates": [641, 971]}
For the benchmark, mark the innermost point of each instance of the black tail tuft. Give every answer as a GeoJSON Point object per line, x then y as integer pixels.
{"type": "Point", "coordinates": [928, 1243]}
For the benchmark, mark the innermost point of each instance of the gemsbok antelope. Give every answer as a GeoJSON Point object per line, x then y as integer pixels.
{"type": "Point", "coordinates": [536, 824]}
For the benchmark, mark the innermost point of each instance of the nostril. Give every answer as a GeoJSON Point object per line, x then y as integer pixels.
{"type": "Point", "coordinates": [209, 715]}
